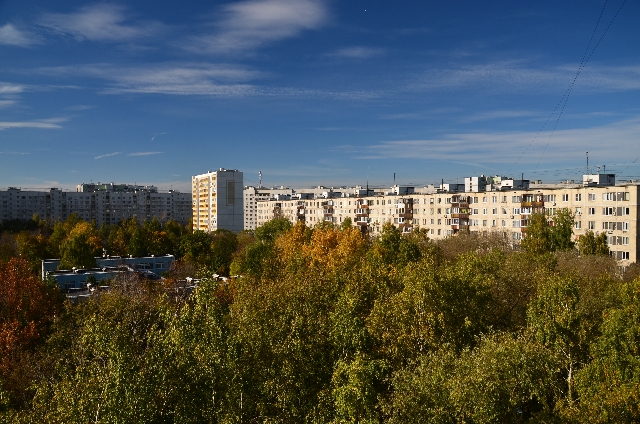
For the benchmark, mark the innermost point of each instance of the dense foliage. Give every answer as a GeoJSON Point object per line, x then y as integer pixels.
{"type": "Point", "coordinates": [328, 326]}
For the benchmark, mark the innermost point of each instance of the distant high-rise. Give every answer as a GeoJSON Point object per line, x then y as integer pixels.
{"type": "Point", "coordinates": [217, 200]}
{"type": "Point", "coordinates": [103, 203]}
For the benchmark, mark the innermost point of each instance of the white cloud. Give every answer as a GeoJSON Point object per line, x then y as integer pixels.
{"type": "Point", "coordinates": [178, 79]}
{"type": "Point", "coordinates": [107, 155]}
{"type": "Point", "coordinates": [252, 23]}
{"type": "Point", "coordinates": [357, 52]}
{"type": "Point", "coordinates": [12, 36]}
{"type": "Point", "coordinates": [498, 114]}
{"type": "Point", "coordinates": [607, 142]}
{"type": "Point", "coordinates": [144, 153]}
{"type": "Point", "coordinates": [7, 88]}
{"type": "Point", "coordinates": [6, 103]}
{"type": "Point", "coordinates": [99, 22]}
{"type": "Point", "coordinates": [516, 76]}
{"type": "Point", "coordinates": [14, 153]}
{"type": "Point", "coordinates": [52, 123]}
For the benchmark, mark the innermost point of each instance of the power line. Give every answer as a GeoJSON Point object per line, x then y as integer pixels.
{"type": "Point", "coordinates": [565, 97]}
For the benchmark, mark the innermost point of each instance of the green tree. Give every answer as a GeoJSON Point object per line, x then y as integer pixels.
{"type": "Point", "coordinates": [223, 246]}
{"type": "Point", "coordinates": [33, 248]}
{"type": "Point", "coordinates": [608, 387]}
{"type": "Point", "coordinates": [504, 379]}
{"type": "Point", "coordinates": [592, 244]}
{"type": "Point", "coordinates": [356, 386]}
{"type": "Point", "coordinates": [562, 230]}
{"type": "Point", "coordinates": [270, 230]}
{"type": "Point", "coordinates": [196, 247]}
{"type": "Point", "coordinates": [346, 223]}
{"type": "Point", "coordinates": [555, 320]}
{"type": "Point", "coordinates": [538, 238]}
{"type": "Point", "coordinates": [80, 247]}
{"type": "Point", "coordinates": [394, 249]}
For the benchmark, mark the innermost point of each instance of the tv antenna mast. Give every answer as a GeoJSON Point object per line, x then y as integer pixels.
{"type": "Point", "coordinates": [587, 163]}
{"type": "Point", "coordinates": [260, 175]}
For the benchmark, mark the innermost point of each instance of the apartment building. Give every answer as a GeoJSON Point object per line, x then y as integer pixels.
{"type": "Point", "coordinates": [217, 200]}
{"type": "Point", "coordinates": [598, 203]}
{"type": "Point", "coordinates": [104, 203]}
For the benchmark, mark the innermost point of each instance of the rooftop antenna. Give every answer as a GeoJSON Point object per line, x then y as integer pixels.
{"type": "Point", "coordinates": [260, 175]}
{"type": "Point", "coordinates": [394, 178]}
{"type": "Point", "coordinates": [587, 163]}
{"type": "Point", "coordinates": [367, 180]}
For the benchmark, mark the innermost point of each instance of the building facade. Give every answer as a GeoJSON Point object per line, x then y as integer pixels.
{"type": "Point", "coordinates": [217, 200]}
{"type": "Point", "coordinates": [599, 205]}
{"type": "Point", "coordinates": [104, 203]}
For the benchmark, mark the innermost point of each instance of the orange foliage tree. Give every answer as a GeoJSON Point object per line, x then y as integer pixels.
{"type": "Point", "coordinates": [27, 308]}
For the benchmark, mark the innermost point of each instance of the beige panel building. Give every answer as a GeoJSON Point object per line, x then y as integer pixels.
{"type": "Point", "coordinates": [597, 206]}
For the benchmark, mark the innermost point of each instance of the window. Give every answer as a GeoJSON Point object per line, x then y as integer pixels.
{"type": "Point", "coordinates": [484, 222]}
{"type": "Point", "coordinates": [504, 211]}
{"type": "Point", "coordinates": [608, 196]}
{"type": "Point", "coordinates": [515, 199]}
{"type": "Point", "coordinates": [439, 211]}
{"type": "Point", "coordinates": [475, 212]}
{"type": "Point", "coordinates": [475, 200]}
{"type": "Point", "coordinates": [504, 223]}
{"type": "Point", "coordinates": [608, 211]}
{"type": "Point", "coordinates": [484, 199]}
{"type": "Point", "coordinates": [494, 223]}
{"type": "Point", "coordinates": [622, 196]}
{"type": "Point", "coordinates": [592, 211]}
{"type": "Point", "coordinates": [578, 211]}
{"type": "Point", "coordinates": [494, 199]}
{"type": "Point", "coordinates": [432, 221]}
{"type": "Point", "coordinates": [591, 225]}
{"type": "Point", "coordinates": [504, 199]}
{"type": "Point", "coordinates": [624, 226]}
{"type": "Point", "coordinates": [592, 197]}
{"type": "Point", "coordinates": [516, 236]}
{"type": "Point", "coordinates": [516, 211]}
{"type": "Point", "coordinates": [578, 197]}
{"type": "Point", "coordinates": [578, 225]}
{"type": "Point", "coordinates": [231, 193]}
{"type": "Point", "coordinates": [439, 222]}
{"type": "Point", "coordinates": [623, 211]}
{"type": "Point", "coordinates": [565, 197]}
{"type": "Point", "coordinates": [494, 211]}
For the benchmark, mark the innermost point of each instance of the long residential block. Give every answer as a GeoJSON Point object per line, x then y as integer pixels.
{"type": "Point", "coordinates": [497, 205]}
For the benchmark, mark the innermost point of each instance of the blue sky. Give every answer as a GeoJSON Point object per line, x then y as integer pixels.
{"type": "Point", "coordinates": [316, 92]}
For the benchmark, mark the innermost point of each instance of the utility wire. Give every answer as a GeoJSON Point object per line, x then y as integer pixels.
{"type": "Point", "coordinates": [565, 97]}
{"type": "Point", "coordinates": [582, 65]}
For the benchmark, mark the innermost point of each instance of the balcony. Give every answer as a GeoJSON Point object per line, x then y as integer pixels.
{"type": "Point", "coordinates": [536, 204]}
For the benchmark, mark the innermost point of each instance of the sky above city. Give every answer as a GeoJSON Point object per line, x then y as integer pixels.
{"type": "Point", "coordinates": [317, 92]}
